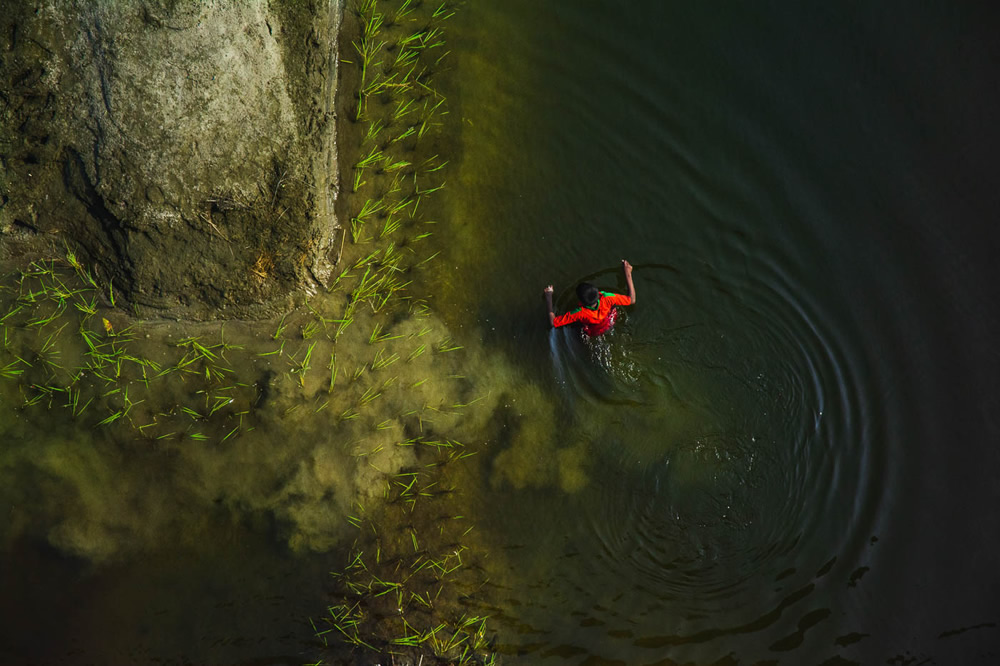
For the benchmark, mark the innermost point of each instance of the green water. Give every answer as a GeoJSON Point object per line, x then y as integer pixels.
{"type": "Point", "coordinates": [781, 453]}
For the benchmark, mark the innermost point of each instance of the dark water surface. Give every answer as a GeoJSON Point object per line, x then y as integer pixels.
{"type": "Point", "coordinates": [784, 453]}
{"type": "Point", "coordinates": [787, 451]}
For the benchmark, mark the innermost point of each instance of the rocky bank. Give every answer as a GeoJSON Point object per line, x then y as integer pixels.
{"type": "Point", "coordinates": [185, 149]}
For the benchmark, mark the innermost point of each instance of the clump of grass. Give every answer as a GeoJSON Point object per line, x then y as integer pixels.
{"type": "Point", "coordinates": [280, 330]}
{"type": "Point", "coordinates": [369, 161]}
{"type": "Point", "coordinates": [382, 360]}
{"type": "Point", "coordinates": [368, 210]}
{"type": "Point", "coordinates": [447, 345]}
{"type": "Point", "coordinates": [13, 369]}
{"type": "Point", "coordinates": [332, 366]}
{"type": "Point", "coordinates": [300, 366]}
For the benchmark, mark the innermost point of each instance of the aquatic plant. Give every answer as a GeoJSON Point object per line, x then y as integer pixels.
{"type": "Point", "coordinates": [405, 9]}
{"type": "Point", "coordinates": [443, 12]}
{"type": "Point", "coordinates": [85, 358]}
{"type": "Point", "coordinates": [368, 209]}
{"type": "Point", "coordinates": [382, 360]}
{"type": "Point", "coordinates": [67, 347]}
{"type": "Point", "coordinates": [280, 329]}
{"type": "Point", "coordinates": [400, 589]}
{"type": "Point", "coordinates": [300, 366]}
{"type": "Point", "coordinates": [402, 596]}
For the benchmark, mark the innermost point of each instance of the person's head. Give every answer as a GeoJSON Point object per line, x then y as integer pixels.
{"type": "Point", "coordinates": [588, 294]}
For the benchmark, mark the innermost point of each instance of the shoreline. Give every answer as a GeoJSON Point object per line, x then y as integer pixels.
{"type": "Point", "coordinates": [192, 395]}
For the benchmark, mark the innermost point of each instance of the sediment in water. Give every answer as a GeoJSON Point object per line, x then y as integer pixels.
{"type": "Point", "coordinates": [134, 434]}
{"type": "Point", "coordinates": [130, 434]}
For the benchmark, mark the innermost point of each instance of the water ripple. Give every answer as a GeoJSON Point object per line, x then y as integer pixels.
{"type": "Point", "coordinates": [744, 435]}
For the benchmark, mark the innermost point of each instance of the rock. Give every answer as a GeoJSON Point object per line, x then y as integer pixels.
{"type": "Point", "coordinates": [185, 148]}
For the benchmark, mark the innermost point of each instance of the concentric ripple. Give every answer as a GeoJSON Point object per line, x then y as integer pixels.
{"type": "Point", "coordinates": [737, 449]}
{"type": "Point", "coordinates": [735, 425]}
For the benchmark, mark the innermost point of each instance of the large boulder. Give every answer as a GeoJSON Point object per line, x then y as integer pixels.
{"type": "Point", "coordinates": [186, 148]}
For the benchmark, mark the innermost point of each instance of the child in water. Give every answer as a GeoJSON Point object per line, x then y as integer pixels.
{"type": "Point", "coordinates": [597, 310]}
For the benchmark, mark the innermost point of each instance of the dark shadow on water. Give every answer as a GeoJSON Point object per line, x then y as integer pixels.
{"type": "Point", "coordinates": [228, 603]}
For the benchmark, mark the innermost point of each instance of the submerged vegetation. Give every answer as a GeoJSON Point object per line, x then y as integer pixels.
{"type": "Point", "coordinates": [362, 362]}
{"type": "Point", "coordinates": [406, 589]}
{"type": "Point", "coordinates": [67, 347]}
{"type": "Point", "coordinates": [409, 574]}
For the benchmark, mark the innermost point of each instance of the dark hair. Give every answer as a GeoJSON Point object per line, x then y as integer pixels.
{"type": "Point", "coordinates": [588, 294]}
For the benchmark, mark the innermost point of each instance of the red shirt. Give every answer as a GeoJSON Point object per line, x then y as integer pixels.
{"type": "Point", "coordinates": [595, 320]}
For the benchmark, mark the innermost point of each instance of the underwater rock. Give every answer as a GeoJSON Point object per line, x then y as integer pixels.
{"type": "Point", "coordinates": [185, 149]}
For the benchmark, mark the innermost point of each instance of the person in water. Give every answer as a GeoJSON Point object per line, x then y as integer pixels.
{"type": "Point", "coordinates": [597, 310]}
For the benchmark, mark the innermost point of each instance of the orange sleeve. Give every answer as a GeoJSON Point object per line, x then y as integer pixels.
{"type": "Point", "coordinates": [619, 299]}
{"type": "Point", "coordinates": [568, 318]}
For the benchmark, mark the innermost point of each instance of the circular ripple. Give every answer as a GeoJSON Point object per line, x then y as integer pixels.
{"type": "Point", "coordinates": [736, 436]}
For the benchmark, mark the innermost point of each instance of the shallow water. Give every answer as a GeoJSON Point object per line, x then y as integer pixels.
{"type": "Point", "coordinates": [784, 450]}
{"type": "Point", "coordinates": [783, 453]}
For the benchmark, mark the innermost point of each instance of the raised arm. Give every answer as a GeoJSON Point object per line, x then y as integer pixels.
{"type": "Point", "coordinates": [627, 267]}
{"type": "Point", "coordinates": [548, 302]}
